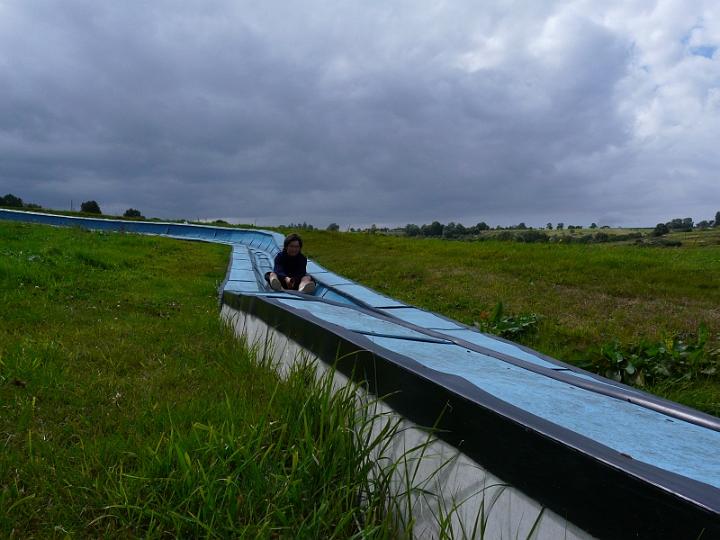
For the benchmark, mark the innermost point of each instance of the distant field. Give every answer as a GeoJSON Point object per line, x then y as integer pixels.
{"type": "Point", "coordinates": [587, 295]}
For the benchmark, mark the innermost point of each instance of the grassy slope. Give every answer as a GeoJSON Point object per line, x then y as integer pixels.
{"type": "Point", "coordinates": [587, 295]}
{"type": "Point", "coordinates": [127, 409]}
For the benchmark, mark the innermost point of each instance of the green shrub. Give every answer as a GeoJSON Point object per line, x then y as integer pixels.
{"type": "Point", "coordinates": [509, 326]}
{"type": "Point", "coordinates": [682, 357]}
{"type": "Point", "coordinates": [531, 236]}
{"type": "Point", "coordinates": [659, 242]}
{"type": "Point", "coordinates": [11, 200]}
{"type": "Point", "coordinates": [90, 207]}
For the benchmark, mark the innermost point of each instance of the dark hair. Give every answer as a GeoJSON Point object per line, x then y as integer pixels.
{"type": "Point", "coordinates": [291, 238]}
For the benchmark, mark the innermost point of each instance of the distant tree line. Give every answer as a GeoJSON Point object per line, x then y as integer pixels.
{"type": "Point", "coordinates": [451, 230]}
{"type": "Point", "coordinates": [92, 207]}
{"type": "Point", "coordinates": [685, 225]}
{"type": "Point", "coordinates": [301, 226]}
{"type": "Point", "coordinates": [333, 227]}
{"type": "Point", "coordinates": [458, 230]}
{"type": "Point", "coordinates": [87, 207]}
{"type": "Point", "coordinates": [12, 201]}
{"type": "Point", "coordinates": [522, 233]}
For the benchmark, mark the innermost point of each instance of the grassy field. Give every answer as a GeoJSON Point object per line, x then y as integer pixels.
{"type": "Point", "coordinates": [593, 300]}
{"type": "Point", "coordinates": [128, 410]}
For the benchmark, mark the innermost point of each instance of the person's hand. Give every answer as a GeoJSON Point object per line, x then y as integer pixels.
{"type": "Point", "coordinates": [289, 282]}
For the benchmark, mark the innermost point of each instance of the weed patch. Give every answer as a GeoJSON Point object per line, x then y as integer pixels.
{"type": "Point", "coordinates": [683, 357]}
{"type": "Point", "coordinates": [510, 326]}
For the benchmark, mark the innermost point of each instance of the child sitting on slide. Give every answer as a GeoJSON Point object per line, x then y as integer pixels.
{"type": "Point", "coordinates": [290, 268]}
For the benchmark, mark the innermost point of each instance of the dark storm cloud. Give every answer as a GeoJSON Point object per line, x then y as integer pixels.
{"type": "Point", "coordinates": [355, 113]}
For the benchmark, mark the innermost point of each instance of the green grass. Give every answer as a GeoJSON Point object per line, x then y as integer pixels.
{"type": "Point", "coordinates": [127, 409]}
{"type": "Point", "coordinates": [586, 295]}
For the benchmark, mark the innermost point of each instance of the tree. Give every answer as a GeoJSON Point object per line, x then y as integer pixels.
{"type": "Point", "coordinates": [133, 213]}
{"type": "Point", "coordinates": [482, 226]}
{"type": "Point", "coordinates": [454, 230]}
{"type": "Point", "coordinates": [304, 226]}
{"type": "Point", "coordinates": [685, 224]}
{"type": "Point", "coordinates": [593, 225]}
{"type": "Point", "coordinates": [560, 226]}
{"type": "Point", "coordinates": [661, 229]}
{"type": "Point", "coordinates": [90, 207]}
{"type": "Point", "coordinates": [450, 230]}
{"type": "Point", "coordinates": [434, 229]}
{"type": "Point", "coordinates": [334, 227]}
{"type": "Point", "coordinates": [549, 226]}
{"type": "Point", "coordinates": [11, 200]}
{"type": "Point", "coordinates": [412, 230]}
{"type": "Point", "coordinates": [717, 219]}
{"type": "Point", "coordinates": [521, 226]}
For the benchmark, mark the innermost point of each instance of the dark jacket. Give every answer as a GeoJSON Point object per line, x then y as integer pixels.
{"type": "Point", "coordinates": [287, 266]}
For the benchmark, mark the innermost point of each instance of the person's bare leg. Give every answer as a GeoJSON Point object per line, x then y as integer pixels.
{"type": "Point", "coordinates": [274, 282]}
{"type": "Point", "coordinates": [307, 285]}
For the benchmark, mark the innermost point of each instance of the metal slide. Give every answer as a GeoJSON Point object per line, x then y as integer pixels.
{"type": "Point", "coordinates": [615, 461]}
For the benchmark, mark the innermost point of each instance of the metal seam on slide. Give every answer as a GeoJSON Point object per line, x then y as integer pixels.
{"type": "Point", "coordinates": [406, 338]}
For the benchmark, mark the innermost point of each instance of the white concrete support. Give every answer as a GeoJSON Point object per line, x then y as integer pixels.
{"type": "Point", "coordinates": [451, 495]}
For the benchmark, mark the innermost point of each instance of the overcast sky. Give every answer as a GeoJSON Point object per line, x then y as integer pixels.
{"type": "Point", "coordinates": [360, 112]}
